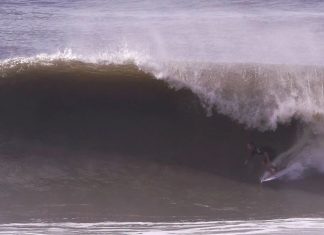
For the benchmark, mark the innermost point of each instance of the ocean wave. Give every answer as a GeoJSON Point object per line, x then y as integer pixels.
{"type": "Point", "coordinates": [257, 95]}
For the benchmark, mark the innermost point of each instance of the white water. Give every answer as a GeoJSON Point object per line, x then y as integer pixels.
{"type": "Point", "coordinates": [300, 226]}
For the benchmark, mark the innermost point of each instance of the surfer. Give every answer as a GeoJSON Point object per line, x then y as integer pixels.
{"type": "Point", "coordinates": [265, 153]}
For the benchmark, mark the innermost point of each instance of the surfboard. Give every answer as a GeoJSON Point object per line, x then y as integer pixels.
{"type": "Point", "coordinates": [282, 163]}
{"type": "Point", "coordinates": [269, 176]}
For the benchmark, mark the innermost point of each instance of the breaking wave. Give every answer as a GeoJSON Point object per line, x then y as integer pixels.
{"type": "Point", "coordinates": [256, 95]}
{"type": "Point", "coordinates": [259, 96]}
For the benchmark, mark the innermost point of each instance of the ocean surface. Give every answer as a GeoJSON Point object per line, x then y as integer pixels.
{"type": "Point", "coordinates": [132, 117]}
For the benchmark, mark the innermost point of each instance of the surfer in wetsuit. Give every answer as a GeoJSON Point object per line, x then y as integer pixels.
{"type": "Point", "coordinates": [265, 153]}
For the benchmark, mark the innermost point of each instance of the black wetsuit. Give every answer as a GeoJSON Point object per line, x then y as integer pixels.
{"type": "Point", "coordinates": [261, 151]}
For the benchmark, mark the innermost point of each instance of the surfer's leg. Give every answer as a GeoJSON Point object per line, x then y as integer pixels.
{"type": "Point", "coordinates": [271, 168]}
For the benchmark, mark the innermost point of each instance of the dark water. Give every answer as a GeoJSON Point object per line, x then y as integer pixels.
{"type": "Point", "coordinates": [140, 111]}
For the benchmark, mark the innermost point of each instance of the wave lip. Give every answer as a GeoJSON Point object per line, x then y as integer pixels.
{"type": "Point", "coordinates": [257, 95]}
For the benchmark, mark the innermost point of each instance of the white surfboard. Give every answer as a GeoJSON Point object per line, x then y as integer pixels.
{"type": "Point", "coordinates": [268, 176]}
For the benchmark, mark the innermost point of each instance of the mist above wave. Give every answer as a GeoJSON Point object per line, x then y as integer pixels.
{"type": "Point", "coordinates": [273, 31]}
